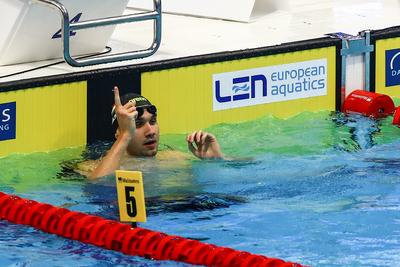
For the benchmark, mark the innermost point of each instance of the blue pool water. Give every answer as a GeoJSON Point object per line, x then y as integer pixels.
{"type": "Point", "coordinates": [319, 189]}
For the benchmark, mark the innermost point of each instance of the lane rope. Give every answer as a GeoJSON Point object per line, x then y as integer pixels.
{"type": "Point", "coordinates": [121, 237]}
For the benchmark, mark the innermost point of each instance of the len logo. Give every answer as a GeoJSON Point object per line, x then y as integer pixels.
{"type": "Point", "coordinates": [7, 121]}
{"type": "Point", "coordinates": [241, 89]}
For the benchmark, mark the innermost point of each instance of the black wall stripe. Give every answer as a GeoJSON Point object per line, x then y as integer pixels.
{"type": "Point", "coordinates": [372, 68]}
{"type": "Point", "coordinates": [338, 98]}
{"type": "Point", "coordinates": [100, 99]}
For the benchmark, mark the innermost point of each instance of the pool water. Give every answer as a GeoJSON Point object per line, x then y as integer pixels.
{"type": "Point", "coordinates": [320, 189]}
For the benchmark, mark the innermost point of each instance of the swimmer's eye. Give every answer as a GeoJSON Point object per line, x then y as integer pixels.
{"type": "Point", "coordinates": [153, 120]}
{"type": "Point", "coordinates": [139, 123]}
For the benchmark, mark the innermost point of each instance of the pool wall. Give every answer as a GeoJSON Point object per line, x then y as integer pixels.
{"type": "Point", "coordinates": [48, 113]}
{"type": "Point", "coordinates": [187, 97]}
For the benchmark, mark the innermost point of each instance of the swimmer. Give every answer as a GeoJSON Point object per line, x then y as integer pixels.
{"type": "Point", "coordinates": [137, 136]}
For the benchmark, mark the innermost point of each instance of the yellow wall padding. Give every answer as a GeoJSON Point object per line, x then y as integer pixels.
{"type": "Point", "coordinates": [47, 118]}
{"type": "Point", "coordinates": [380, 74]}
{"type": "Point", "coordinates": [184, 95]}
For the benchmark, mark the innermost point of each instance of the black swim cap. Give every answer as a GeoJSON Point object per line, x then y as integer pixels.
{"type": "Point", "coordinates": [141, 102]}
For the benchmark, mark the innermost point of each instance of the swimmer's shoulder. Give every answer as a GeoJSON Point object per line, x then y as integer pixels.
{"type": "Point", "coordinates": [86, 167]}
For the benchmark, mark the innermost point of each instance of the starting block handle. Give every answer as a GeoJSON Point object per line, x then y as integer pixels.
{"type": "Point", "coordinates": [66, 27]}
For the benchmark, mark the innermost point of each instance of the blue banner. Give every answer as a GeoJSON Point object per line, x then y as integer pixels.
{"type": "Point", "coordinates": [392, 67]}
{"type": "Point", "coordinates": [8, 120]}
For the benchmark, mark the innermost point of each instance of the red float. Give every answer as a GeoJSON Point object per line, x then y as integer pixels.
{"type": "Point", "coordinates": [368, 104]}
{"type": "Point", "coordinates": [396, 117]}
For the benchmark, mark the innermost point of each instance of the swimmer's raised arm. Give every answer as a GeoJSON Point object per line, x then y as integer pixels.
{"type": "Point", "coordinates": [112, 160]}
{"type": "Point", "coordinates": [126, 115]}
{"type": "Point", "coordinates": [207, 146]}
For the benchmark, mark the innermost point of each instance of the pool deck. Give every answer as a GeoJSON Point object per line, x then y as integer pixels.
{"type": "Point", "coordinates": [184, 36]}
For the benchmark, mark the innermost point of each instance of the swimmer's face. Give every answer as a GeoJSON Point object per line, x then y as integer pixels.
{"type": "Point", "coordinates": [147, 134]}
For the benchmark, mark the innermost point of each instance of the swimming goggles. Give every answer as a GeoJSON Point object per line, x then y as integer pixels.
{"type": "Point", "coordinates": [151, 109]}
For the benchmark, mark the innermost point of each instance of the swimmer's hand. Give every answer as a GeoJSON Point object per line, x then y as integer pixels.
{"type": "Point", "coordinates": [126, 116]}
{"type": "Point", "coordinates": [207, 146]}
{"type": "Point", "coordinates": [85, 168]}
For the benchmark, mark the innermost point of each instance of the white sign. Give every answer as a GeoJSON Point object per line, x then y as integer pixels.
{"type": "Point", "coordinates": [270, 84]}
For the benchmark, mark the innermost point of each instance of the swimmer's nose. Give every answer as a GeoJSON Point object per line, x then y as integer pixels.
{"type": "Point", "coordinates": [149, 129]}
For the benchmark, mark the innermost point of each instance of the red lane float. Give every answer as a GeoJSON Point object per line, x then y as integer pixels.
{"type": "Point", "coordinates": [121, 237]}
{"type": "Point", "coordinates": [396, 117]}
{"type": "Point", "coordinates": [368, 104]}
